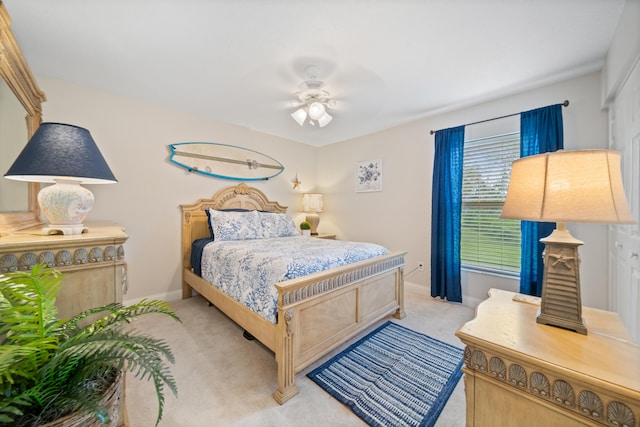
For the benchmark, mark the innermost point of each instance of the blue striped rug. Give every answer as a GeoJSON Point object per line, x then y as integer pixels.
{"type": "Point", "coordinates": [393, 377]}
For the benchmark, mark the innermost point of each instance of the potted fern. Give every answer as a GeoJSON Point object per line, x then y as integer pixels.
{"type": "Point", "coordinates": [305, 227]}
{"type": "Point", "coordinates": [57, 372]}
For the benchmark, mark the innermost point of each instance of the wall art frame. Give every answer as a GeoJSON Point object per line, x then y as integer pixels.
{"type": "Point", "coordinates": [369, 176]}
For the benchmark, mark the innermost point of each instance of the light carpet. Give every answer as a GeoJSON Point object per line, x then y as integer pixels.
{"type": "Point", "coordinates": [225, 380]}
{"type": "Point", "coordinates": [393, 377]}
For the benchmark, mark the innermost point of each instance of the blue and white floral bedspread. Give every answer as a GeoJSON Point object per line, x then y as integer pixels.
{"type": "Point", "coordinates": [247, 270]}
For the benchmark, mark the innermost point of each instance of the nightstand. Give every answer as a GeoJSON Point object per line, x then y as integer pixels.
{"type": "Point", "coordinates": [324, 236]}
{"type": "Point", "coordinates": [519, 372]}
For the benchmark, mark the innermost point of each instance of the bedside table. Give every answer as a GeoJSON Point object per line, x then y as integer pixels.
{"type": "Point", "coordinates": [324, 236]}
{"type": "Point", "coordinates": [519, 372]}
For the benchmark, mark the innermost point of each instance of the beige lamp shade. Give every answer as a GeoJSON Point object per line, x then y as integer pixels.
{"type": "Point", "coordinates": [568, 186]}
{"type": "Point", "coordinates": [312, 202]}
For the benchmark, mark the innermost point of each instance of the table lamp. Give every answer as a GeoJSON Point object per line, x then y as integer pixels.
{"type": "Point", "coordinates": [312, 203]}
{"type": "Point", "coordinates": [561, 187]}
{"type": "Point", "coordinates": [67, 156]}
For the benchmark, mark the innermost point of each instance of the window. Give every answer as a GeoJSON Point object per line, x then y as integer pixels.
{"type": "Point", "coordinates": [489, 243]}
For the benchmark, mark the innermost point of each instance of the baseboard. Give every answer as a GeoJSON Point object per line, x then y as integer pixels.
{"type": "Point", "coordinates": [166, 296]}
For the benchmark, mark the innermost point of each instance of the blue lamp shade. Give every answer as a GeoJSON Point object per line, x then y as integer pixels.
{"type": "Point", "coordinates": [59, 150]}
{"type": "Point", "coordinates": [67, 156]}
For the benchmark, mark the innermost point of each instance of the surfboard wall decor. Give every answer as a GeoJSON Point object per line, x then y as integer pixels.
{"type": "Point", "coordinates": [224, 161]}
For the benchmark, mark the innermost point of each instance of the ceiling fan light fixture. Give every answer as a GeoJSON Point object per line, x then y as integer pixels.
{"type": "Point", "coordinates": [299, 116]}
{"type": "Point", "coordinates": [313, 101]}
{"type": "Point", "coordinates": [324, 120]}
{"type": "Point", "coordinates": [316, 110]}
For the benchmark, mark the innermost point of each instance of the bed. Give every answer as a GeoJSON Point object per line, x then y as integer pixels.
{"type": "Point", "coordinates": [315, 313]}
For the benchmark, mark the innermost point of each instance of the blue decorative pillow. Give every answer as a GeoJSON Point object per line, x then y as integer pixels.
{"type": "Point", "coordinates": [230, 225]}
{"type": "Point", "coordinates": [208, 212]}
{"type": "Point", "coordinates": [277, 225]}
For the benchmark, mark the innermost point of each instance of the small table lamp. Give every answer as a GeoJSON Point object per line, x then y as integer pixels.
{"type": "Point", "coordinates": [566, 186]}
{"type": "Point", "coordinates": [312, 203]}
{"type": "Point", "coordinates": [67, 156]}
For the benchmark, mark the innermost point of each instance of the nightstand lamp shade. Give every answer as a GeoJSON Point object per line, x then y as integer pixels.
{"type": "Point", "coordinates": [312, 203]}
{"type": "Point", "coordinates": [67, 156]}
{"type": "Point", "coordinates": [561, 187]}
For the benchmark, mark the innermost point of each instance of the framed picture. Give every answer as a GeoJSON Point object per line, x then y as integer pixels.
{"type": "Point", "coordinates": [369, 176]}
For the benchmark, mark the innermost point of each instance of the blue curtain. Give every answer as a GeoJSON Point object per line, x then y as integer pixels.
{"type": "Point", "coordinates": [446, 212]}
{"type": "Point", "coordinates": [540, 132]}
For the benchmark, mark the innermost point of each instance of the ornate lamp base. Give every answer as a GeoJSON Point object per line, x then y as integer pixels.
{"type": "Point", "coordinates": [64, 229]}
{"type": "Point", "coordinates": [65, 204]}
{"type": "Point", "coordinates": [314, 220]}
{"type": "Point", "coordinates": [561, 303]}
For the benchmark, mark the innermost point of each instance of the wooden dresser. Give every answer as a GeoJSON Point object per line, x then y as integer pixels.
{"type": "Point", "coordinates": [521, 373]}
{"type": "Point", "coordinates": [93, 263]}
{"type": "Point", "coordinates": [93, 266]}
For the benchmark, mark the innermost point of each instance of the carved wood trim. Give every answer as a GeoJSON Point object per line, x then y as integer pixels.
{"type": "Point", "coordinates": [598, 405]}
{"type": "Point", "coordinates": [240, 195]}
{"type": "Point", "coordinates": [16, 73]}
{"type": "Point", "coordinates": [319, 283]}
{"type": "Point", "coordinates": [92, 255]}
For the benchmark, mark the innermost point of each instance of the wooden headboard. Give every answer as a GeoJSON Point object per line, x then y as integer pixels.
{"type": "Point", "coordinates": [194, 218]}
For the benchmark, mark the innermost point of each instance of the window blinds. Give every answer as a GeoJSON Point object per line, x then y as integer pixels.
{"type": "Point", "coordinates": [488, 242]}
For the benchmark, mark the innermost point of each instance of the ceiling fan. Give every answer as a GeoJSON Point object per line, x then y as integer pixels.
{"type": "Point", "coordinates": [313, 101]}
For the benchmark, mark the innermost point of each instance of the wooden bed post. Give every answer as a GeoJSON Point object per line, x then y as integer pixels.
{"type": "Point", "coordinates": [284, 358]}
{"type": "Point", "coordinates": [186, 252]}
{"type": "Point", "coordinates": [400, 313]}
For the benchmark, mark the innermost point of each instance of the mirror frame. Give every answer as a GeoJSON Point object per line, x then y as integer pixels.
{"type": "Point", "coordinates": [17, 75]}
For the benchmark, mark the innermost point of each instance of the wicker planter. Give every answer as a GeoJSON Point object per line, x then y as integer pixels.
{"type": "Point", "coordinates": [110, 400]}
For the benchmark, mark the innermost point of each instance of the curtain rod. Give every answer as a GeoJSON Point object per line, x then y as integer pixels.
{"type": "Point", "coordinates": [564, 104]}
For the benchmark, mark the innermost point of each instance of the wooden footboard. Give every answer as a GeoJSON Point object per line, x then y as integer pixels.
{"type": "Point", "coordinates": [316, 313]}
{"type": "Point", "coordinates": [319, 312]}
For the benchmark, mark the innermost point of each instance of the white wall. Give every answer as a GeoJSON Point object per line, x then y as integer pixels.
{"type": "Point", "coordinates": [133, 137]}
{"type": "Point", "coordinates": [399, 217]}
{"type": "Point", "coordinates": [623, 52]}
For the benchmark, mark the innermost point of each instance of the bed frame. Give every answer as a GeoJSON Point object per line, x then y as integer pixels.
{"type": "Point", "coordinates": [316, 313]}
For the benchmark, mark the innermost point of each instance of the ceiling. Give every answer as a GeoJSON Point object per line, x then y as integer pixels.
{"type": "Point", "coordinates": [385, 62]}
